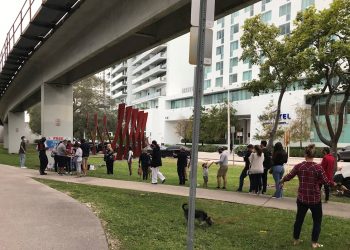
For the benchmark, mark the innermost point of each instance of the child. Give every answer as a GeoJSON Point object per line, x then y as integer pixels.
{"type": "Point", "coordinates": [205, 167]}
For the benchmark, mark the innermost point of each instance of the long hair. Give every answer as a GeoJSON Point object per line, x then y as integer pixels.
{"type": "Point", "coordinates": [278, 147]}
{"type": "Point", "coordinates": [258, 150]}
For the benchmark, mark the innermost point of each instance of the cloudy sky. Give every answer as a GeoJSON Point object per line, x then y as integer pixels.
{"type": "Point", "coordinates": [9, 10]}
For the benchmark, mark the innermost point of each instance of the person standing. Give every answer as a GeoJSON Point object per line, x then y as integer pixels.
{"type": "Point", "coordinates": [267, 164]}
{"type": "Point", "coordinates": [85, 147]}
{"type": "Point", "coordinates": [69, 153]}
{"type": "Point", "coordinates": [279, 158]}
{"type": "Point", "coordinates": [310, 175]}
{"type": "Point", "coordinates": [222, 171]}
{"type": "Point", "coordinates": [256, 169]}
{"type": "Point", "coordinates": [62, 156]}
{"type": "Point", "coordinates": [22, 152]}
{"type": "Point", "coordinates": [78, 158]}
{"type": "Point", "coordinates": [144, 163]}
{"type": "Point", "coordinates": [245, 169]}
{"type": "Point", "coordinates": [327, 164]}
{"type": "Point", "coordinates": [109, 158]}
{"type": "Point", "coordinates": [41, 148]}
{"type": "Point", "coordinates": [156, 162]}
{"type": "Point", "coordinates": [129, 160]}
{"type": "Point", "coordinates": [182, 162]}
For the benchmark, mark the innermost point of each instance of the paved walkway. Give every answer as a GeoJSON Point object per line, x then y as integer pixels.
{"type": "Point", "coordinates": [331, 208]}
{"type": "Point", "coordinates": [35, 216]}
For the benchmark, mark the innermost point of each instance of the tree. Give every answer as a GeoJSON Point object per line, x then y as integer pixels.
{"type": "Point", "coordinates": [267, 120]}
{"type": "Point", "coordinates": [278, 61]}
{"type": "Point", "coordinates": [35, 119]}
{"type": "Point", "coordinates": [300, 126]}
{"type": "Point", "coordinates": [184, 129]}
{"type": "Point", "coordinates": [323, 38]}
{"type": "Point", "coordinates": [214, 123]}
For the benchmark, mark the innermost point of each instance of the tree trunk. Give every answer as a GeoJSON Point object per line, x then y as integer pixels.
{"type": "Point", "coordinates": [276, 122]}
{"type": "Point", "coordinates": [334, 152]}
{"type": "Point", "coordinates": [301, 144]}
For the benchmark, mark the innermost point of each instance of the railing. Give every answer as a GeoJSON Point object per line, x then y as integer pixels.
{"type": "Point", "coordinates": [28, 11]}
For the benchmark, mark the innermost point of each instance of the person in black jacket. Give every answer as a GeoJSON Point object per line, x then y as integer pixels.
{"type": "Point", "coordinates": [182, 162]}
{"type": "Point", "coordinates": [156, 163]}
{"type": "Point", "coordinates": [109, 158]}
{"type": "Point", "coordinates": [279, 158]}
{"type": "Point", "coordinates": [267, 164]}
{"type": "Point", "coordinates": [42, 147]}
{"type": "Point", "coordinates": [144, 163]}
{"type": "Point", "coordinates": [245, 169]}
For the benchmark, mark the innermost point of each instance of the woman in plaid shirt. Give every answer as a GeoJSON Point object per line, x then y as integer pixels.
{"type": "Point", "coordinates": [310, 175]}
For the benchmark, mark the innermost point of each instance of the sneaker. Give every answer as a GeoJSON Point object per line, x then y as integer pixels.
{"type": "Point", "coordinates": [239, 190]}
{"type": "Point", "coordinates": [273, 197]}
{"type": "Point", "coordinates": [163, 181]}
{"type": "Point", "coordinates": [218, 187]}
{"type": "Point", "coordinates": [23, 167]}
{"type": "Point", "coordinates": [154, 183]}
{"type": "Point", "coordinates": [223, 187]}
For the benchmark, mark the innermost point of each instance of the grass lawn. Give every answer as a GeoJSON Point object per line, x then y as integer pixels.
{"type": "Point", "coordinates": [139, 220]}
{"type": "Point", "coordinates": [121, 172]}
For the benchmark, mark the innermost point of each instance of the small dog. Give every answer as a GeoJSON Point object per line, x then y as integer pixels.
{"type": "Point", "coordinates": [199, 215]}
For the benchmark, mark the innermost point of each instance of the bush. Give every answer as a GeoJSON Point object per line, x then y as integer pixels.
{"type": "Point", "coordinates": [299, 152]}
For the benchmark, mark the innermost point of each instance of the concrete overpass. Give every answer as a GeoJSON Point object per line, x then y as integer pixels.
{"type": "Point", "coordinates": [90, 36]}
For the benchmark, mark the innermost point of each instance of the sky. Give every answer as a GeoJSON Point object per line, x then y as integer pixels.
{"type": "Point", "coordinates": [9, 10]}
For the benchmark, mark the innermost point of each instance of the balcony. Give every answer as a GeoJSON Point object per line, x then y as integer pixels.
{"type": "Point", "coordinates": [151, 84]}
{"type": "Point", "coordinates": [149, 97]}
{"type": "Point", "coordinates": [120, 94]}
{"type": "Point", "coordinates": [120, 67]}
{"type": "Point", "coordinates": [152, 72]}
{"type": "Point", "coordinates": [120, 85]}
{"type": "Point", "coordinates": [119, 77]}
{"type": "Point", "coordinates": [154, 60]}
{"type": "Point", "coordinates": [147, 54]}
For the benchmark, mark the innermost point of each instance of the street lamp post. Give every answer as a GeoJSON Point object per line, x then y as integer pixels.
{"type": "Point", "coordinates": [228, 121]}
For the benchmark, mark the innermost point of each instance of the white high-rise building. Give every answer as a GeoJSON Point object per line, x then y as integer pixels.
{"type": "Point", "coordinates": [161, 80]}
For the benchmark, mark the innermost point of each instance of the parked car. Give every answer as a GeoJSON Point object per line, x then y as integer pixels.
{"type": "Point", "coordinates": [344, 154]}
{"type": "Point", "coordinates": [174, 149]}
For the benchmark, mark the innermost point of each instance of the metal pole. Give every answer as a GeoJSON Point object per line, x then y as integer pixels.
{"type": "Point", "coordinates": [198, 93]}
{"type": "Point", "coordinates": [228, 121]}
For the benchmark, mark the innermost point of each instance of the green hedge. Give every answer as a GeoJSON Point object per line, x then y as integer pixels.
{"type": "Point", "coordinates": [299, 152]}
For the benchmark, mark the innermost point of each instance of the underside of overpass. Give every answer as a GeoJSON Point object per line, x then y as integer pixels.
{"type": "Point", "coordinates": [58, 50]}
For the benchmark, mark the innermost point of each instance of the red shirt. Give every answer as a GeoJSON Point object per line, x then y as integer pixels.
{"type": "Point", "coordinates": [328, 166]}
{"type": "Point", "coordinates": [310, 175]}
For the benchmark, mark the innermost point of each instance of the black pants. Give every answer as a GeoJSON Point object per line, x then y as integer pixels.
{"type": "Point", "coordinates": [68, 164]}
{"type": "Point", "coordinates": [55, 164]}
{"type": "Point", "coordinates": [256, 181]}
{"type": "Point", "coordinates": [43, 162]}
{"type": "Point", "coordinates": [326, 191]}
{"type": "Point", "coordinates": [109, 165]}
{"type": "Point", "coordinates": [242, 177]}
{"type": "Point", "coordinates": [264, 180]}
{"type": "Point", "coordinates": [145, 172]}
{"type": "Point", "coordinates": [181, 174]}
{"type": "Point", "coordinates": [316, 211]}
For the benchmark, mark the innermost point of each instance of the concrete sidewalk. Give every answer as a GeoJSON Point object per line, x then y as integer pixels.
{"type": "Point", "coordinates": [35, 216]}
{"type": "Point", "coordinates": [331, 208]}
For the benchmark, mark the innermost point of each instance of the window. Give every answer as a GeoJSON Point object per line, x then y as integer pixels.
{"type": "Point", "coordinates": [241, 94]}
{"type": "Point", "coordinates": [247, 61]}
{"type": "Point", "coordinates": [234, 30]}
{"type": "Point", "coordinates": [284, 29]}
{"type": "Point", "coordinates": [249, 9]}
{"type": "Point", "coordinates": [220, 66]}
{"type": "Point", "coordinates": [233, 46]}
{"type": "Point", "coordinates": [233, 63]}
{"type": "Point", "coordinates": [247, 75]}
{"type": "Point", "coordinates": [207, 70]}
{"type": "Point", "coordinates": [221, 22]}
{"type": "Point", "coordinates": [220, 35]}
{"type": "Point", "coordinates": [233, 16]}
{"type": "Point", "coordinates": [266, 17]}
{"type": "Point", "coordinates": [218, 82]}
{"type": "Point", "coordinates": [233, 78]}
{"type": "Point", "coordinates": [207, 84]}
{"type": "Point", "coordinates": [263, 4]}
{"type": "Point", "coordinates": [306, 3]}
{"type": "Point", "coordinates": [285, 9]}
{"type": "Point", "coordinates": [220, 51]}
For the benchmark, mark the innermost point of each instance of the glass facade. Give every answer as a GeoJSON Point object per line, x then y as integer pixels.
{"type": "Point", "coordinates": [233, 78]}
{"type": "Point", "coordinates": [233, 46]}
{"type": "Point", "coordinates": [218, 82]}
{"type": "Point", "coordinates": [284, 29]}
{"type": "Point", "coordinates": [233, 63]}
{"type": "Point", "coordinates": [266, 17]}
{"type": "Point", "coordinates": [307, 3]}
{"type": "Point", "coordinates": [234, 30]}
{"type": "Point", "coordinates": [235, 95]}
{"type": "Point", "coordinates": [247, 75]}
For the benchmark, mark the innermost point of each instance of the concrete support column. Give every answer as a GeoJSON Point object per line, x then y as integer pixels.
{"type": "Point", "coordinates": [6, 135]}
{"type": "Point", "coordinates": [57, 110]}
{"type": "Point", "coordinates": [16, 129]}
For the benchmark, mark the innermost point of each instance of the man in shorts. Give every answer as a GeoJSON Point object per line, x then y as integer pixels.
{"type": "Point", "coordinates": [223, 162]}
